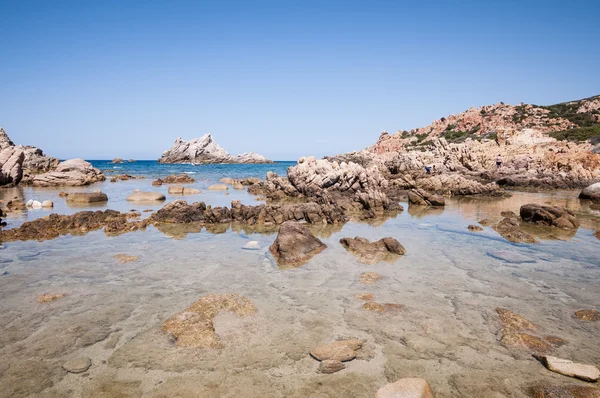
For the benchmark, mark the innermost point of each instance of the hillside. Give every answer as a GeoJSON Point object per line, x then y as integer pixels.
{"type": "Point", "coordinates": [574, 121]}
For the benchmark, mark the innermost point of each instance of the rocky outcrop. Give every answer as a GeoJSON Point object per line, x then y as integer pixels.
{"type": "Point", "coordinates": [55, 225]}
{"type": "Point", "coordinates": [73, 172]}
{"type": "Point", "coordinates": [174, 179]}
{"type": "Point", "coordinates": [552, 216]}
{"type": "Point", "coordinates": [510, 229]}
{"type": "Point", "coordinates": [295, 245]}
{"type": "Point", "coordinates": [420, 197]}
{"type": "Point", "coordinates": [11, 166]}
{"type": "Point", "coordinates": [205, 150]}
{"type": "Point", "coordinates": [591, 192]}
{"type": "Point", "coordinates": [194, 327]}
{"type": "Point", "coordinates": [124, 177]}
{"type": "Point", "coordinates": [117, 161]}
{"type": "Point", "coordinates": [386, 249]}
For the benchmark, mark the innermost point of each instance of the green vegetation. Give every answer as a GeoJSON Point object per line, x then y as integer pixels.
{"type": "Point", "coordinates": [578, 134]}
{"type": "Point", "coordinates": [568, 110]}
{"type": "Point", "coordinates": [421, 137]}
{"type": "Point", "coordinates": [405, 134]}
{"type": "Point", "coordinates": [454, 136]}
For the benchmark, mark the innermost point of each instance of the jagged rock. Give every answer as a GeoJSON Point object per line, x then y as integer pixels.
{"type": "Point", "coordinates": [78, 365]}
{"type": "Point", "coordinates": [117, 160]}
{"type": "Point", "coordinates": [11, 166]}
{"type": "Point", "coordinates": [295, 244]}
{"type": "Point", "coordinates": [73, 172]}
{"type": "Point", "coordinates": [420, 197]}
{"type": "Point", "coordinates": [87, 197]}
{"type": "Point", "coordinates": [174, 179]}
{"type": "Point", "coordinates": [194, 326]}
{"type": "Point", "coordinates": [563, 392]}
{"type": "Point", "coordinates": [588, 315]}
{"type": "Point", "coordinates": [549, 215]}
{"type": "Point", "coordinates": [510, 229]}
{"type": "Point", "coordinates": [570, 368]}
{"type": "Point", "coordinates": [372, 252]}
{"type": "Point", "coordinates": [329, 366]}
{"type": "Point", "coordinates": [591, 192]}
{"type": "Point", "coordinates": [343, 350]}
{"type": "Point", "coordinates": [139, 196]}
{"type": "Point", "coordinates": [205, 150]}
{"type": "Point", "coordinates": [406, 388]}
{"type": "Point", "coordinates": [218, 187]}
{"type": "Point", "coordinates": [54, 225]}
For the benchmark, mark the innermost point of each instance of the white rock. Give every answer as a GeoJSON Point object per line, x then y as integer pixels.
{"type": "Point", "coordinates": [29, 203]}
{"type": "Point", "coordinates": [47, 203]}
{"type": "Point", "coordinates": [252, 245]}
{"type": "Point", "coordinates": [78, 365]}
{"type": "Point", "coordinates": [570, 368]}
{"type": "Point", "coordinates": [36, 205]}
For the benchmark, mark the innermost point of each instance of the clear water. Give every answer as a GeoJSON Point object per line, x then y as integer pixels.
{"type": "Point", "coordinates": [450, 282]}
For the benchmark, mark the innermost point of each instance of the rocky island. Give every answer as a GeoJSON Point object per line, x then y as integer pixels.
{"type": "Point", "coordinates": [205, 150]}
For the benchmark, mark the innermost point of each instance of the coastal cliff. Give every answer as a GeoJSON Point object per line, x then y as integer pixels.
{"type": "Point", "coordinates": [205, 150]}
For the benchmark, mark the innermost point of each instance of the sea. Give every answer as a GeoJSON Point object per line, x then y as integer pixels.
{"type": "Point", "coordinates": [444, 328]}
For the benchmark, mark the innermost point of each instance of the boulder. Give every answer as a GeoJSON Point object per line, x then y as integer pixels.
{"type": "Point", "coordinates": [227, 180]}
{"type": "Point", "coordinates": [553, 216]}
{"type": "Point", "coordinates": [47, 204]}
{"type": "Point", "coordinates": [205, 150]}
{"type": "Point", "coordinates": [87, 197]}
{"type": "Point", "coordinates": [238, 186]}
{"type": "Point", "coordinates": [295, 245]}
{"type": "Point", "coordinates": [386, 249]}
{"type": "Point", "coordinates": [175, 190]}
{"type": "Point", "coordinates": [139, 196]}
{"type": "Point", "coordinates": [218, 187]}
{"type": "Point", "coordinates": [591, 192]}
{"type": "Point", "coordinates": [570, 368]}
{"type": "Point", "coordinates": [420, 197]}
{"type": "Point", "coordinates": [475, 228]}
{"type": "Point", "coordinates": [174, 179]}
{"type": "Point", "coordinates": [11, 166]}
{"type": "Point", "coordinates": [343, 350]}
{"type": "Point", "coordinates": [329, 366]}
{"type": "Point", "coordinates": [78, 365]}
{"type": "Point", "coordinates": [406, 388]}
{"type": "Point", "coordinates": [510, 229]}
{"type": "Point", "coordinates": [73, 172]}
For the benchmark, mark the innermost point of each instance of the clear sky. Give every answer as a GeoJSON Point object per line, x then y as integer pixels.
{"type": "Point", "coordinates": [100, 79]}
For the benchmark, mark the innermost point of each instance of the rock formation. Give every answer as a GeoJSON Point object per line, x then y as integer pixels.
{"type": "Point", "coordinates": [420, 197]}
{"type": "Point", "coordinates": [553, 216]}
{"type": "Point", "coordinates": [511, 230]}
{"type": "Point", "coordinates": [386, 249]}
{"type": "Point", "coordinates": [174, 179]}
{"type": "Point", "coordinates": [295, 245]}
{"type": "Point", "coordinates": [205, 150]}
{"type": "Point", "coordinates": [73, 172]}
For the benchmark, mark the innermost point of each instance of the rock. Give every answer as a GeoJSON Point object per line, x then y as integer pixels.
{"type": "Point", "coordinates": [15, 205]}
{"type": "Point", "coordinates": [218, 187]}
{"type": "Point", "coordinates": [78, 365]}
{"type": "Point", "coordinates": [563, 392]}
{"type": "Point", "coordinates": [175, 190]}
{"type": "Point", "coordinates": [419, 197]}
{"type": "Point", "coordinates": [588, 315]}
{"type": "Point", "coordinates": [486, 222]}
{"type": "Point", "coordinates": [252, 245]}
{"type": "Point", "coordinates": [47, 297]}
{"type": "Point", "coordinates": [174, 179]}
{"type": "Point", "coordinates": [117, 160]}
{"type": "Point", "coordinates": [513, 330]}
{"type": "Point", "coordinates": [510, 256]}
{"type": "Point", "coordinates": [510, 229]}
{"type": "Point", "coordinates": [11, 165]}
{"type": "Point", "coordinates": [47, 204]}
{"type": "Point", "coordinates": [406, 388]}
{"type": "Point", "coordinates": [227, 180]}
{"type": "Point", "coordinates": [140, 196]}
{"type": "Point", "coordinates": [591, 192]}
{"type": "Point", "coordinates": [508, 214]}
{"type": "Point", "coordinates": [475, 228]}
{"type": "Point", "coordinates": [194, 326]}
{"type": "Point", "coordinates": [549, 216]}
{"type": "Point", "coordinates": [73, 172]}
{"type": "Point", "coordinates": [372, 252]}
{"type": "Point", "coordinates": [87, 197]}
{"type": "Point", "coordinates": [365, 296]}
{"type": "Point", "coordinates": [204, 150]}
{"type": "Point", "coordinates": [124, 177]}
{"type": "Point", "coordinates": [36, 204]}
{"type": "Point", "coordinates": [369, 278]}
{"type": "Point", "coordinates": [597, 234]}
{"type": "Point", "coordinates": [63, 194]}
{"type": "Point", "coordinates": [238, 186]}
{"type": "Point", "coordinates": [124, 258]}
{"type": "Point", "coordinates": [295, 244]}
{"type": "Point", "coordinates": [375, 307]}
{"type": "Point", "coordinates": [570, 368]}
{"type": "Point", "coordinates": [191, 191]}
{"type": "Point", "coordinates": [344, 350]}
{"type": "Point", "coordinates": [329, 366]}
{"type": "Point", "coordinates": [54, 225]}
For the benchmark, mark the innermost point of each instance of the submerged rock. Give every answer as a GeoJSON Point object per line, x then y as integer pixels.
{"type": "Point", "coordinates": [486, 222]}
{"type": "Point", "coordinates": [87, 197]}
{"type": "Point", "coordinates": [365, 296]}
{"type": "Point", "coordinates": [174, 179]}
{"type": "Point", "coordinates": [406, 388]}
{"type": "Point", "coordinates": [510, 229]}
{"type": "Point", "coordinates": [475, 228]}
{"type": "Point", "coordinates": [179, 190]}
{"type": "Point", "coordinates": [48, 297]}
{"type": "Point", "coordinates": [372, 252]}
{"type": "Point", "coordinates": [15, 205]}
{"type": "Point", "coordinates": [218, 187]}
{"type": "Point", "coordinates": [369, 278]}
{"type": "Point", "coordinates": [78, 365]}
{"type": "Point", "coordinates": [552, 216]}
{"type": "Point", "coordinates": [570, 368]}
{"type": "Point", "coordinates": [124, 258]}
{"type": "Point", "coordinates": [420, 197]}
{"type": "Point", "coordinates": [140, 196]}
{"type": "Point", "coordinates": [295, 244]}
{"type": "Point", "coordinates": [343, 350]}
{"type": "Point", "coordinates": [194, 326]}
{"type": "Point", "coordinates": [514, 327]}
{"type": "Point", "coordinates": [588, 315]}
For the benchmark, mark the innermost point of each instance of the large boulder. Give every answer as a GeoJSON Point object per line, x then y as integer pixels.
{"type": "Point", "coordinates": [72, 172]}
{"type": "Point", "coordinates": [205, 150]}
{"type": "Point", "coordinates": [552, 216]}
{"type": "Point", "coordinates": [295, 245]}
{"type": "Point", "coordinates": [86, 197]}
{"type": "Point", "coordinates": [420, 197]}
{"type": "Point", "coordinates": [139, 196]}
{"type": "Point", "coordinates": [11, 166]}
{"type": "Point", "coordinates": [386, 249]}
{"type": "Point", "coordinates": [592, 193]}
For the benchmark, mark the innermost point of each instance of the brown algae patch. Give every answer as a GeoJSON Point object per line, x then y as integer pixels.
{"type": "Point", "coordinates": [194, 326]}
{"type": "Point", "coordinates": [381, 308]}
{"type": "Point", "coordinates": [369, 278]}
{"type": "Point", "coordinates": [48, 297]}
{"type": "Point", "coordinates": [124, 258]}
{"type": "Point", "coordinates": [513, 333]}
{"type": "Point", "coordinates": [365, 296]}
{"type": "Point", "coordinates": [588, 315]}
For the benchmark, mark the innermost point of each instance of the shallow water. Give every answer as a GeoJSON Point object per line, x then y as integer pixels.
{"type": "Point", "coordinates": [450, 282]}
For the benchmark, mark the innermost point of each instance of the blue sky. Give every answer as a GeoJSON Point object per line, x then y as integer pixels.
{"type": "Point", "coordinates": [100, 79]}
